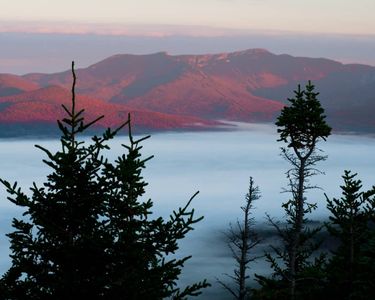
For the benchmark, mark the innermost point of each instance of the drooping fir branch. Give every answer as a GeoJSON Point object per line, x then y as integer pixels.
{"type": "Point", "coordinates": [90, 210]}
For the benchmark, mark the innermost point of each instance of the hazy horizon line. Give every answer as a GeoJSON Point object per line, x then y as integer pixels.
{"type": "Point", "coordinates": [152, 30]}
{"type": "Point", "coordinates": [22, 52]}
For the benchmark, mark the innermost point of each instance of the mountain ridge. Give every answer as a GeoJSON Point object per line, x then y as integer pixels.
{"type": "Point", "coordinates": [249, 85]}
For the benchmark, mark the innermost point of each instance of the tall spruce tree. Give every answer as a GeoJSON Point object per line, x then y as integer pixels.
{"type": "Point", "coordinates": [350, 270]}
{"type": "Point", "coordinates": [86, 233]}
{"type": "Point", "coordinates": [301, 125]}
{"type": "Point", "coordinates": [367, 260]}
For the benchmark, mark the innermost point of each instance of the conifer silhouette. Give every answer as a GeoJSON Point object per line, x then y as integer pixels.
{"type": "Point", "coordinates": [350, 269]}
{"type": "Point", "coordinates": [86, 233]}
{"type": "Point", "coordinates": [242, 239]}
{"type": "Point", "coordinates": [301, 125]}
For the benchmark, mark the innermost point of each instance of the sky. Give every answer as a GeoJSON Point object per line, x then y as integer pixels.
{"type": "Point", "coordinates": [43, 35]}
{"type": "Point", "coordinates": [318, 16]}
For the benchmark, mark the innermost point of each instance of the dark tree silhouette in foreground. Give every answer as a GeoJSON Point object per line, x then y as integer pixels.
{"type": "Point", "coordinates": [350, 270]}
{"type": "Point", "coordinates": [301, 126]}
{"type": "Point", "coordinates": [86, 234]}
{"type": "Point", "coordinates": [241, 240]}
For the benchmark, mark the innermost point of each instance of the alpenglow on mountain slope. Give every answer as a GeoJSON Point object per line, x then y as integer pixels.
{"type": "Point", "coordinates": [193, 91]}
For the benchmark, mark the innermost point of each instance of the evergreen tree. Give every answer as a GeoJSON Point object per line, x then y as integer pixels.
{"type": "Point", "coordinates": [86, 233]}
{"type": "Point", "coordinates": [242, 239]}
{"type": "Point", "coordinates": [351, 269]}
{"type": "Point", "coordinates": [367, 258]}
{"type": "Point", "coordinates": [301, 126]}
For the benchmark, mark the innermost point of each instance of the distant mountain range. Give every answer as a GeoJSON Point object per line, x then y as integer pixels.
{"type": "Point", "coordinates": [189, 91]}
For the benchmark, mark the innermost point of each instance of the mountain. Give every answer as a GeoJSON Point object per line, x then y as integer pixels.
{"type": "Point", "coordinates": [13, 85]}
{"type": "Point", "coordinates": [187, 85]}
{"type": "Point", "coordinates": [347, 94]}
{"type": "Point", "coordinates": [41, 108]}
{"type": "Point", "coordinates": [172, 91]}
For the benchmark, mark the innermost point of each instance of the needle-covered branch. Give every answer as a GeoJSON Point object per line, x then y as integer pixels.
{"type": "Point", "coordinates": [87, 233]}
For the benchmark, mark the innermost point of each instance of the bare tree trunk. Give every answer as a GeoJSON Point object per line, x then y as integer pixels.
{"type": "Point", "coordinates": [244, 247]}
{"type": "Point", "coordinates": [298, 227]}
{"type": "Point", "coordinates": [241, 241]}
{"type": "Point", "coordinates": [351, 254]}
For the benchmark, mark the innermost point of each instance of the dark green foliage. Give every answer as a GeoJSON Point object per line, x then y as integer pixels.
{"type": "Point", "coordinates": [348, 220]}
{"type": "Point", "coordinates": [310, 283]}
{"type": "Point", "coordinates": [303, 122]}
{"type": "Point", "coordinates": [296, 274]}
{"type": "Point", "coordinates": [86, 233]}
{"type": "Point", "coordinates": [309, 265]}
{"type": "Point", "coordinates": [367, 260]}
{"type": "Point", "coordinates": [351, 267]}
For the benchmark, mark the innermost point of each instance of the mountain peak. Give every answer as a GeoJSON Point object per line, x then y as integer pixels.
{"type": "Point", "coordinates": [254, 51]}
{"type": "Point", "coordinates": [246, 85]}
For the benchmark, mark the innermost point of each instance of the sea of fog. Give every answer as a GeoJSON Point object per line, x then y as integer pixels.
{"type": "Point", "coordinates": [216, 163]}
